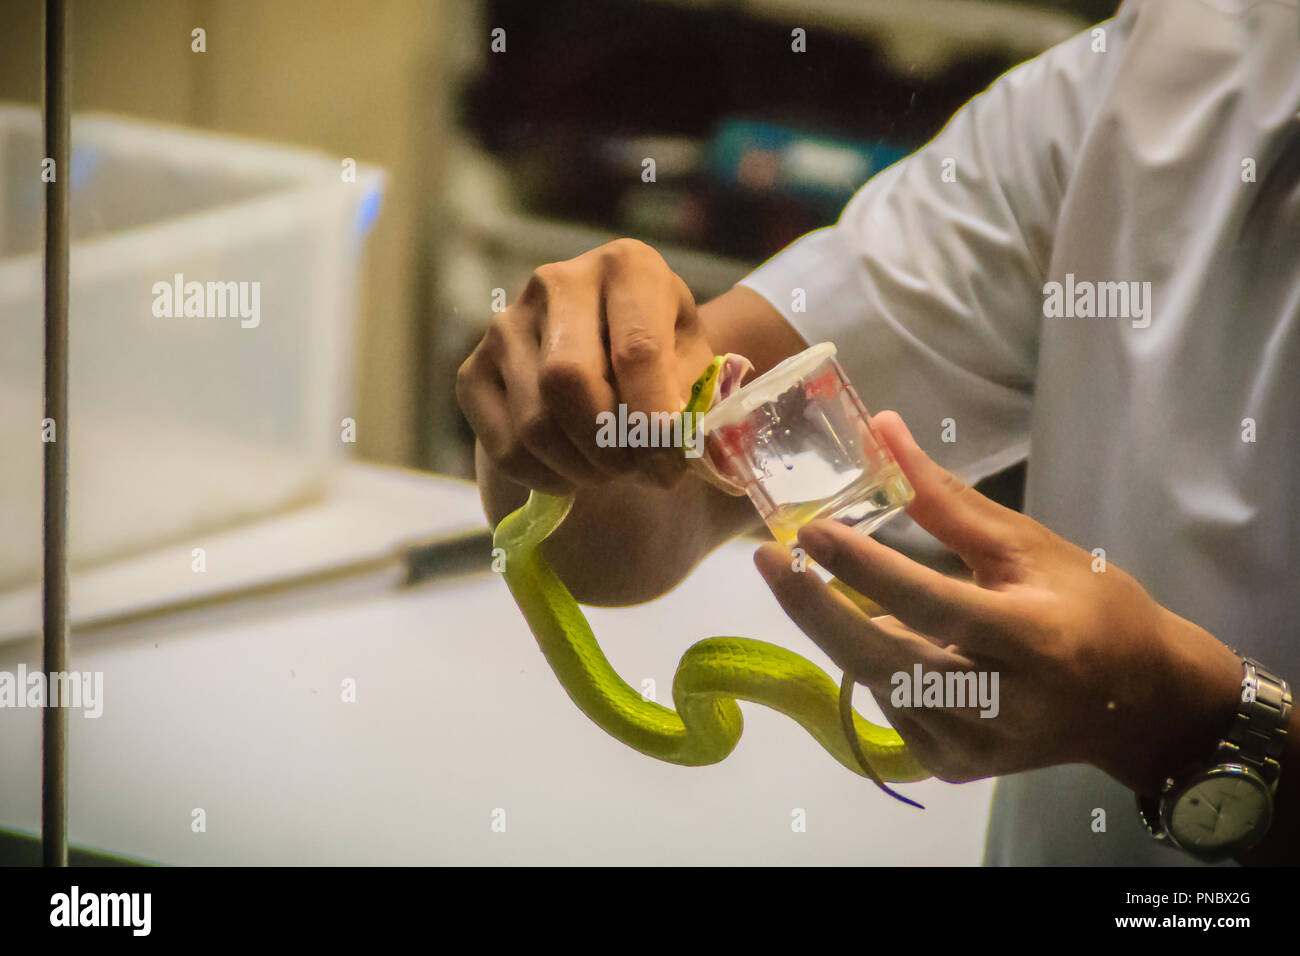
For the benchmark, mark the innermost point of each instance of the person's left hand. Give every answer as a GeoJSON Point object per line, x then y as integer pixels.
{"type": "Point", "coordinates": [1090, 668]}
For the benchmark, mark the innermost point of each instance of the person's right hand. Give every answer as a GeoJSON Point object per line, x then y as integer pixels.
{"type": "Point", "coordinates": [612, 325]}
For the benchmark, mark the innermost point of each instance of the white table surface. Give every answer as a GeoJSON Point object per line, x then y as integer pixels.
{"type": "Point", "coordinates": [457, 716]}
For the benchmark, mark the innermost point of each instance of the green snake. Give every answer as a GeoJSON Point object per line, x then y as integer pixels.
{"type": "Point", "coordinates": [712, 676]}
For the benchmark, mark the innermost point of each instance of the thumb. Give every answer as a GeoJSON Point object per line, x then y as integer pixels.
{"type": "Point", "coordinates": [975, 527]}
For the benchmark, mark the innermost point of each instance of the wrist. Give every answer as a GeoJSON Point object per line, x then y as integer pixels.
{"type": "Point", "coordinates": [1190, 696]}
{"type": "Point", "coordinates": [1226, 806]}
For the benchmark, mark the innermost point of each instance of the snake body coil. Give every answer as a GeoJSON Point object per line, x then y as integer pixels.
{"type": "Point", "coordinates": [712, 676]}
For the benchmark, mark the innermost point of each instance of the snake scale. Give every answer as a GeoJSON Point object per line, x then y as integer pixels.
{"type": "Point", "coordinates": [711, 677]}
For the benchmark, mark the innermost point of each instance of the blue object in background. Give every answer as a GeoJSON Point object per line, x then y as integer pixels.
{"type": "Point", "coordinates": [369, 212]}
{"type": "Point", "coordinates": [827, 170]}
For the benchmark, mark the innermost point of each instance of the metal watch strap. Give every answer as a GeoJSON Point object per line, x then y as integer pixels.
{"type": "Point", "coordinates": [1258, 732]}
{"type": "Point", "coordinates": [1256, 738]}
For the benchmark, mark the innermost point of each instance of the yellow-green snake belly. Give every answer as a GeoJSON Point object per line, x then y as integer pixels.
{"type": "Point", "coordinates": [712, 676]}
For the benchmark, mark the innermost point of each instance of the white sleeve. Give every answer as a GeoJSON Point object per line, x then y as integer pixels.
{"type": "Point", "coordinates": [930, 284]}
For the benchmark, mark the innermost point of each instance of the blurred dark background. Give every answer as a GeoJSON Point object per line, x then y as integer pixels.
{"type": "Point", "coordinates": [761, 118]}
{"type": "Point", "coordinates": [517, 132]}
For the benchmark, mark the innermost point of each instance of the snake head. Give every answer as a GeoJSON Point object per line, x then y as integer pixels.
{"type": "Point", "coordinates": [705, 387]}
{"type": "Point", "coordinates": [722, 377]}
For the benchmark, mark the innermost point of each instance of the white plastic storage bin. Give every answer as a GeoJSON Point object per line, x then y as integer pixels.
{"type": "Point", "coordinates": [181, 425]}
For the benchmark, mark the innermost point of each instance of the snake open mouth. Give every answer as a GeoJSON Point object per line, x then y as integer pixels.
{"type": "Point", "coordinates": [734, 369]}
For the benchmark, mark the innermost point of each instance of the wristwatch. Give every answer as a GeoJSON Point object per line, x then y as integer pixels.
{"type": "Point", "coordinates": [1224, 807]}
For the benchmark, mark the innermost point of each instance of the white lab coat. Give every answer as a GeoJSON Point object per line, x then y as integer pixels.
{"type": "Point", "coordinates": [1171, 442]}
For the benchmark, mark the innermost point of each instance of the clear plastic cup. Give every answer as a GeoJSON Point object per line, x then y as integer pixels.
{"type": "Point", "coordinates": [798, 442]}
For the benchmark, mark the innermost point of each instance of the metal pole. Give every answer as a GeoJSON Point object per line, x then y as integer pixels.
{"type": "Point", "coordinates": [54, 724]}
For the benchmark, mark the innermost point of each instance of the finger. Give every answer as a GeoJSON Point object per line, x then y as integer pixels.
{"type": "Point", "coordinates": [575, 373]}
{"type": "Point", "coordinates": [531, 420]}
{"type": "Point", "coordinates": [941, 743]}
{"type": "Point", "coordinates": [947, 659]}
{"type": "Point", "coordinates": [863, 603]}
{"type": "Point", "coordinates": [483, 401]}
{"type": "Point", "coordinates": [961, 701]}
{"type": "Point", "coordinates": [904, 720]}
{"type": "Point", "coordinates": [918, 596]}
{"type": "Point", "coordinates": [833, 622]}
{"type": "Point", "coordinates": [642, 325]}
{"type": "Point", "coordinates": [888, 623]}
{"type": "Point", "coordinates": [974, 526]}
{"type": "Point", "coordinates": [922, 740]}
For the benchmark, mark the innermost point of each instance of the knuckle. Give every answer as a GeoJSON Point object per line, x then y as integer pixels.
{"type": "Point", "coordinates": [549, 273]}
{"type": "Point", "coordinates": [636, 349]}
{"type": "Point", "coordinates": [628, 251]}
{"type": "Point", "coordinates": [543, 282]}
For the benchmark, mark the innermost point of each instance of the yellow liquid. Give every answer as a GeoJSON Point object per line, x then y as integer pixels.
{"type": "Point", "coordinates": [865, 504]}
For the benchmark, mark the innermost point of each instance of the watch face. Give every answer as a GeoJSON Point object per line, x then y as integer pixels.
{"type": "Point", "coordinates": [1226, 808]}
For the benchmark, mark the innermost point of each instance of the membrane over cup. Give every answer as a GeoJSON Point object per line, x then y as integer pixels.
{"type": "Point", "coordinates": [798, 441]}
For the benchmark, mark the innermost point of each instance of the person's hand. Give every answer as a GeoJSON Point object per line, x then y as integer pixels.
{"type": "Point", "coordinates": [1090, 668]}
{"type": "Point", "coordinates": [614, 325]}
